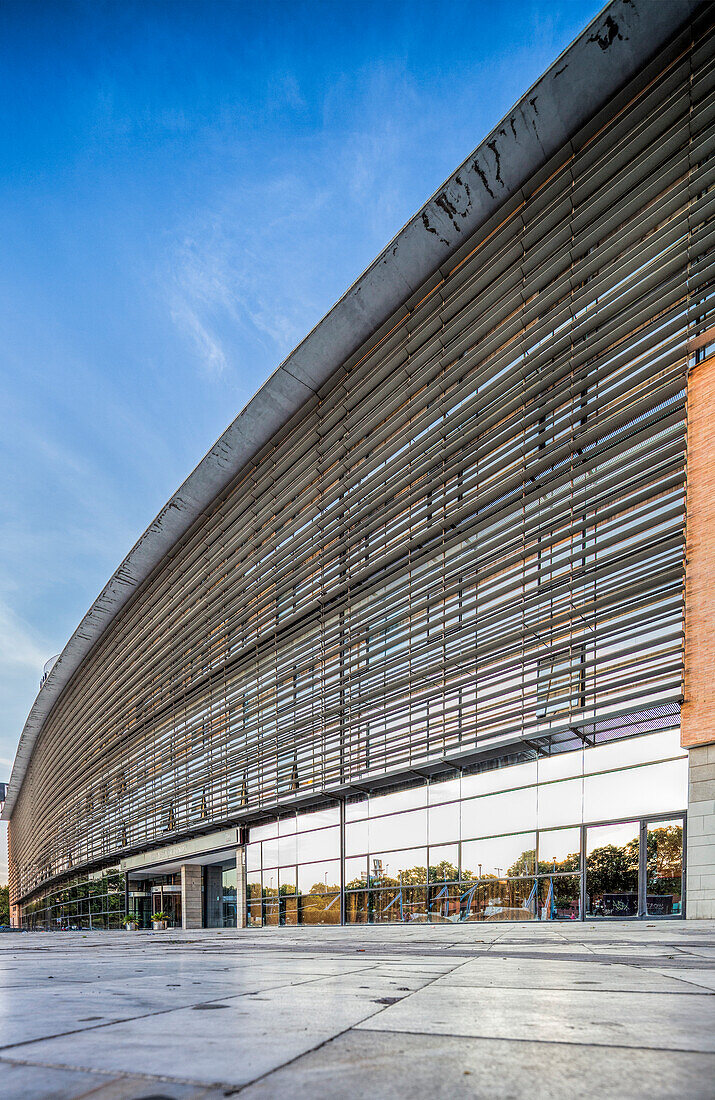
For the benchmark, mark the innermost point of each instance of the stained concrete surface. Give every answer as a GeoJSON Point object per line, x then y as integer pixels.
{"type": "Point", "coordinates": [569, 1010]}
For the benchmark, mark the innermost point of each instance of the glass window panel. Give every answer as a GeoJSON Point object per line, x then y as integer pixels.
{"type": "Point", "coordinates": [355, 872]}
{"type": "Point", "coordinates": [356, 837]}
{"type": "Point", "coordinates": [356, 906]}
{"type": "Point", "coordinates": [447, 791]}
{"type": "Point", "coordinates": [287, 880]}
{"type": "Point", "coordinates": [288, 910]}
{"type": "Point", "coordinates": [270, 908]}
{"type": "Point", "coordinates": [270, 853]}
{"type": "Point", "coordinates": [255, 913]}
{"type": "Point", "coordinates": [559, 850]}
{"type": "Point", "coordinates": [500, 899]}
{"type": "Point", "coordinates": [320, 819]}
{"type": "Point", "coordinates": [263, 832]}
{"type": "Point", "coordinates": [404, 830]}
{"type": "Point", "coordinates": [444, 863]}
{"type": "Point", "coordinates": [499, 813]}
{"type": "Point", "coordinates": [357, 810]}
{"type": "Point", "coordinates": [397, 801]}
{"type": "Point", "coordinates": [664, 868]}
{"type": "Point", "coordinates": [499, 856]}
{"type": "Point", "coordinates": [253, 857]}
{"type": "Point", "coordinates": [398, 904]}
{"type": "Point", "coordinates": [320, 909]}
{"type": "Point", "coordinates": [287, 850]}
{"type": "Point", "coordinates": [499, 779]}
{"type": "Point", "coordinates": [321, 844]}
{"type": "Point", "coordinates": [560, 803]}
{"type": "Point", "coordinates": [380, 907]}
{"type": "Point", "coordinates": [444, 823]}
{"type": "Point", "coordinates": [408, 867]}
{"type": "Point", "coordinates": [410, 904]}
{"type": "Point", "coordinates": [270, 882]}
{"type": "Point", "coordinates": [565, 765]}
{"type": "Point", "coordinates": [560, 897]}
{"type": "Point", "coordinates": [612, 870]}
{"type": "Point", "coordinates": [656, 788]}
{"type": "Point", "coordinates": [445, 902]}
{"type": "Point", "coordinates": [286, 825]}
{"type": "Point", "coordinates": [633, 750]}
{"type": "Point", "coordinates": [316, 878]}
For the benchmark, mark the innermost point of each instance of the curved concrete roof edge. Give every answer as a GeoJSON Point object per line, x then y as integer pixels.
{"type": "Point", "coordinates": [610, 50]}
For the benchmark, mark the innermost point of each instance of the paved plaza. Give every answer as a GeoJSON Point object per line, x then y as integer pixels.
{"type": "Point", "coordinates": [492, 1010]}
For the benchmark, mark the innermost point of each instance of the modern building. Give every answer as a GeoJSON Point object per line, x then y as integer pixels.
{"type": "Point", "coordinates": [427, 635]}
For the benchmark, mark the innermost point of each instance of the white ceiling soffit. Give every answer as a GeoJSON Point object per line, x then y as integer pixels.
{"type": "Point", "coordinates": [612, 49]}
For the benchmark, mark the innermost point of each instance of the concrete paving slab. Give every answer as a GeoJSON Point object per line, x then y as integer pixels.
{"type": "Point", "coordinates": [504, 972]}
{"type": "Point", "coordinates": [243, 1038]}
{"type": "Point", "coordinates": [653, 1020]}
{"type": "Point", "coordinates": [701, 951]}
{"type": "Point", "coordinates": [66, 1010]}
{"type": "Point", "coordinates": [27, 1082]}
{"type": "Point", "coordinates": [362, 1064]}
{"type": "Point", "coordinates": [699, 979]}
{"type": "Point", "coordinates": [32, 1082]}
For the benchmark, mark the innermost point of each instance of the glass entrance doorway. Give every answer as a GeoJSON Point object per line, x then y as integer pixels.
{"type": "Point", "coordinates": [219, 888]}
{"type": "Point", "coordinates": [166, 898]}
{"type": "Point", "coordinates": [663, 858]}
{"type": "Point", "coordinates": [612, 854]}
{"type": "Point", "coordinates": [140, 907]}
{"type": "Point", "coordinates": [635, 869]}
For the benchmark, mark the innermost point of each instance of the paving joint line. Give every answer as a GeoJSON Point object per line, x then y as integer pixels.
{"type": "Point", "coordinates": [543, 1042]}
{"type": "Point", "coordinates": [119, 1075]}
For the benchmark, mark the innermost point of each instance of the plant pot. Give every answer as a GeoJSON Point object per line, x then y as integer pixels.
{"type": "Point", "coordinates": [159, 925]}
{"type": "Point", "coordinates": [132, 926]}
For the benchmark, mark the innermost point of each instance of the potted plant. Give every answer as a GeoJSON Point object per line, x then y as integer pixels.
{"type": "Point", "coordinates": [131, 923]}
{"type": "Point", "coordinates": [159, 921]}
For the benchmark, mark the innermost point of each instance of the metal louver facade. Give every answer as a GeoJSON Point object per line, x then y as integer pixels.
{"type": "Point", "coordinates": [468, 542]}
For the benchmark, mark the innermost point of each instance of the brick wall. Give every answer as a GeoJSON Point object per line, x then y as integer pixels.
{"type": "Point", "coordinates": [698, 716]}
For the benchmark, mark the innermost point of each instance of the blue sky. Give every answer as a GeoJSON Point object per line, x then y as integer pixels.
{"type": "Point", "coordinates": [185, 189]}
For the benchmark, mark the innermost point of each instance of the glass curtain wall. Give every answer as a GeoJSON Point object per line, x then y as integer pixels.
{"type": "Point", "coordinates": [509, 843]}
{"type": "Point", "coordinates": [293, 870]}
{"type": "Point", "coordinates": [89, 901]}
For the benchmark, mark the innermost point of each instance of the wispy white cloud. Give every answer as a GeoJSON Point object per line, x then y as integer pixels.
{"type": "Point", "coordinates": [239, 280]}
{"type": "Point", "coordinates": [207, 346]}
{"type": "Point", "coordinates": [19, 645]}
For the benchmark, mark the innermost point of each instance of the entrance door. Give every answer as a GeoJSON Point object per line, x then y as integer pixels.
{"type": "Point", "coordinates": [219, 885]}
{"type": "Point", "coordinates": [635, 869]}
{"type": "Point", "coordinates": [140, 907]}
{"type": "Point", "coordinates": [612, 860]}
{"type": "Point", "coordinates": [167, 900]}
{"type": "Point", "coordinates": [213, 890]}
{"type": "Point", "coordinates": [663, 870]}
